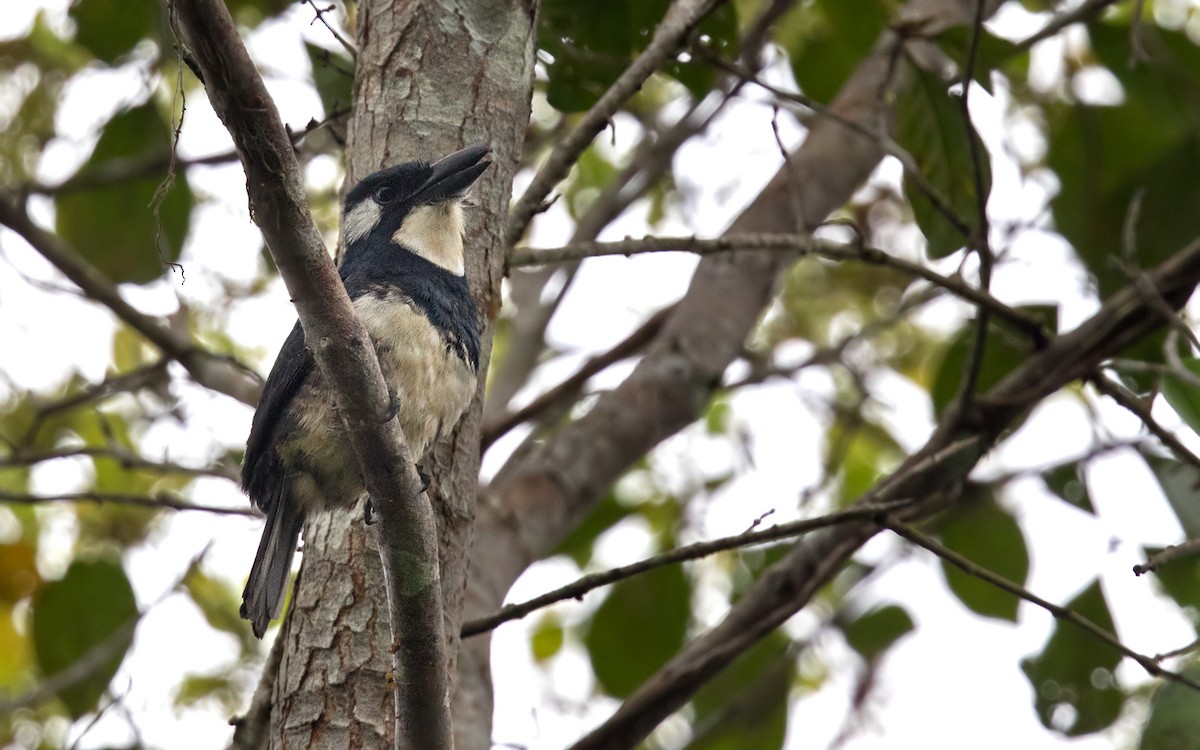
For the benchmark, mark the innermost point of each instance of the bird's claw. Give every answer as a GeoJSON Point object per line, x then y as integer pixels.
{"type": "Point", "coordinates": [369, 512]}
{"type": "Point", "coordinates": [393, 405]}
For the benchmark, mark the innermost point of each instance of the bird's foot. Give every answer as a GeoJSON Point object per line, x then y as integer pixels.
{"type": "Point", "coordinates": [393, 405]}
{"type": "Point", "coordinates": [369, 512]}
{"type": "Point", "coordinates": [424, 478]}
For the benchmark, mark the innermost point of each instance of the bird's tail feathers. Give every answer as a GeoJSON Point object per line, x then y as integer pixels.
{"type": "Point", "coordinates": [263, 598]}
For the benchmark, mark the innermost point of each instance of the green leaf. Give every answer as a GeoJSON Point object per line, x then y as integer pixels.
{"type": "Point", "coordinates": [827, 39]}
{"type": "Point", "coordinates": [1067, 481]}
{"type": "Point", "coordinates": [873, 633]}
{"type": "Point", "coordinates": [333, 75]}
{"type": "Point", "coordinates": [1001, 355]}
{"type": "Point", "coordinates": [1179, 482]}
{"type": "Point", "coordinates": [19, 575]}
{"type": "Point", "coordinates": [980, 530]}
{"type": "Point", "coordinates": [219, 603]}
{"type": "Point", "coordinates": [931, 126]}
{"type": "Point", "coordinates": [1183, 396]}
{"type": "Point", "coordinates": [641, 625]}
{"type": "Point", "coordinates": [993, 53]}
{"type": "Point", "coordinates": [1174, 722]}
{"type": "Point", "coordinates": [745, 705]}
{"type": "Point", "coordinates": [547, 639]}
{"type": "Point", "coordinates": [1074, 671]}
{"type": "Point", "coordinates": [110, 28]}
{"type": "Point", "coordinates": [91, 607]}
{"type": "Point", "coordinates": [578, 544]}
{"type": "Point", "coordinates": [1149, 145]}
{"type": "Point", "coordinates": [114, 227]}
{"type": "Point", "coordinates": [588, 45]}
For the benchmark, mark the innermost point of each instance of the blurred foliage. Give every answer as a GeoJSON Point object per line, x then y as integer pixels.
{"type": "Point", "coordinates": [1076, 691]}
{"type": "Point", "coordinates": [1123, 158]}
{"type": "Point", "coordinates": [1001, 550]}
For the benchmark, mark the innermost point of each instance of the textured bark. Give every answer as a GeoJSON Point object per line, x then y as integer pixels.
{"type": "Point", "coordinates": [431, 77]}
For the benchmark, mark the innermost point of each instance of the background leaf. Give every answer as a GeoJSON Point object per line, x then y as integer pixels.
{"type": "Point", "coordinates": [89, 607]}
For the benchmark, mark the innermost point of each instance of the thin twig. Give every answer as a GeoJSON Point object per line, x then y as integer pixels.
{"type": "Point", "coordinates": [346, 45]}
{"type": "Point", "coordinates": [1083, 13]}
{"type": "Point", "coordinates": [593, 581]}
{"type": "Point", "coordinates": [1060, 613]}
{"type": "Point", "coordinates": [791, 242]}
{"type": "Point", "coordinates": [116, 171]}
{"type": "Point", "coordinates": [1170, 554]}
{"type": "Point", "coordinates": [146, 376]}
{"type": "Point", "coordinates": [883, 141]}
{"type": "Point", "coordinates": [979, 238]}
{"type": "Point", "coordinates": [680, 18]}
{"type": "Point", "coordinates": [126, 459]}
{"type": "Point", "coordinates": [1117, 393]}
{"type": "Point", "coordinates": [157, 501]}
{"type": "Point", "coordinates": [219, 372]}
{"type": "Point", "coordinates": [497, 428]}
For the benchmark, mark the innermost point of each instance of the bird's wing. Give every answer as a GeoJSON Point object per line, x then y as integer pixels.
{"type": "Point", "coordinates": [292, 367]}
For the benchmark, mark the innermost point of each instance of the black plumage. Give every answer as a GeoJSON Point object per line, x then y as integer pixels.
{"type": "Point", "coordinates": [403, 272]}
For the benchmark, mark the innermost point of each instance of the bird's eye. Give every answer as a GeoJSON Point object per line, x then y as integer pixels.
{"type": "Point", "coordinates": [385, 194]}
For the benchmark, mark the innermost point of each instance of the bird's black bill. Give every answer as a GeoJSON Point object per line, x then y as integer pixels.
{"type": "Point", "coordinates": [453, 174]}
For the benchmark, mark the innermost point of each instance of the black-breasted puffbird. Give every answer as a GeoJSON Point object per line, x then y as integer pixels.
{"type": "Point", "coordinates": [404, 272]}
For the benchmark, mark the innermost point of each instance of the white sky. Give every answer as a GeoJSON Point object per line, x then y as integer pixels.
{"type": "Point", "coordinates": [957, 681]}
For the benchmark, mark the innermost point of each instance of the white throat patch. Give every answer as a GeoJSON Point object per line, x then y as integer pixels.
{"type": "Point", "coordinates": [360, 220]}
{"type": "Point", "coordinates": [433, 232]}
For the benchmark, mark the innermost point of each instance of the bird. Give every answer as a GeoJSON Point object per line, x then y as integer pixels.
{"type": "Point", "coordinates": [404, 270]}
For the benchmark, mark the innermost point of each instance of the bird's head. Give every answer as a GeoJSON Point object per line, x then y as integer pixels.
{"type": "Point", "coordinates": [417, 206]}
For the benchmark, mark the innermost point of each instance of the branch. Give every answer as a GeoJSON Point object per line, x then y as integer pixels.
{"type": "Point", "coordinates": [346, 359]}
{"type": "Point", "coordinates": [157, 501]}
{"type": "Point", "coordinates": [1060, 613]}
{"type": "Point", "coordinates": [1085, 12]}
{"type": "Point", "coordinates": [931, 476]}
{"type": "Point", "coordinates": [134, 168]}
{"type": "Point", "coordinates": [251, 731]}
{"type": "Point", "coordinates": [680, 18]}
{"type": "Point", "coordinates": [798, 244]}
{"type": "Point", "coordinates": [1117, 393]}
{"type": "Point", "coordinates": [81, 669]}
{"type": "Point", "coordinates": [1170, 554]}
{"type": "Point", "coordinates": [126, 459]}
{"type": "Point", "coordinates": [587, 583]}
{"type": "Point", "coordinates": [218, 372]}
{"type": "Point", "coordinates": [148, 376]}
{"type": "Point", "coordinates": [569, 388]}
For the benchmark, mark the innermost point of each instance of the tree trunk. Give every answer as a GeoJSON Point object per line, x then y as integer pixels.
{"type": "Point", "coordinates": [432, 77]}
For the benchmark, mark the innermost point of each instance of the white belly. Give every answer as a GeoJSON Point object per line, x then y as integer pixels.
{"type": "Point", "coordinates": [433, 384]}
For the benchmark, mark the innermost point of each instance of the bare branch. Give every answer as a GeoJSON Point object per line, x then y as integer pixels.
{"type": "Point", "coordinates": [1086, 11]}
{"type": "Point", "coordinates": [346, 358]}
{"type": "Point", "coordinates": [932, 476]}
{"type": "Point", "coordinates": [158, 501]}
{"type": "Point", "coordinates": [346, 45]}
{"type": "Point", "coordinates": [149, 376]}
{"type": "Point", "coordinates": [251, 731]}
{"type": "Point", "coordinates": [569, 388]}
{"type": "Point", "coordinates": [218, 372]}
{"type": "Point", "coordinates": [126, 459]}
{"type": "Point", "coordinates": [587, 583]}
{"type": "Point", "coordinates": [116, 171]}
{"type": "Point", "coordinates": [680, 18]}
{"type": "Point", "coordinates": [1117, 393]}
{"type": "Point", "coordinates": [1060, 613]}
{"type": "Point", "coordinates": [1175, 552]}
{"type": "Point", "coordinates": [798, 244]}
